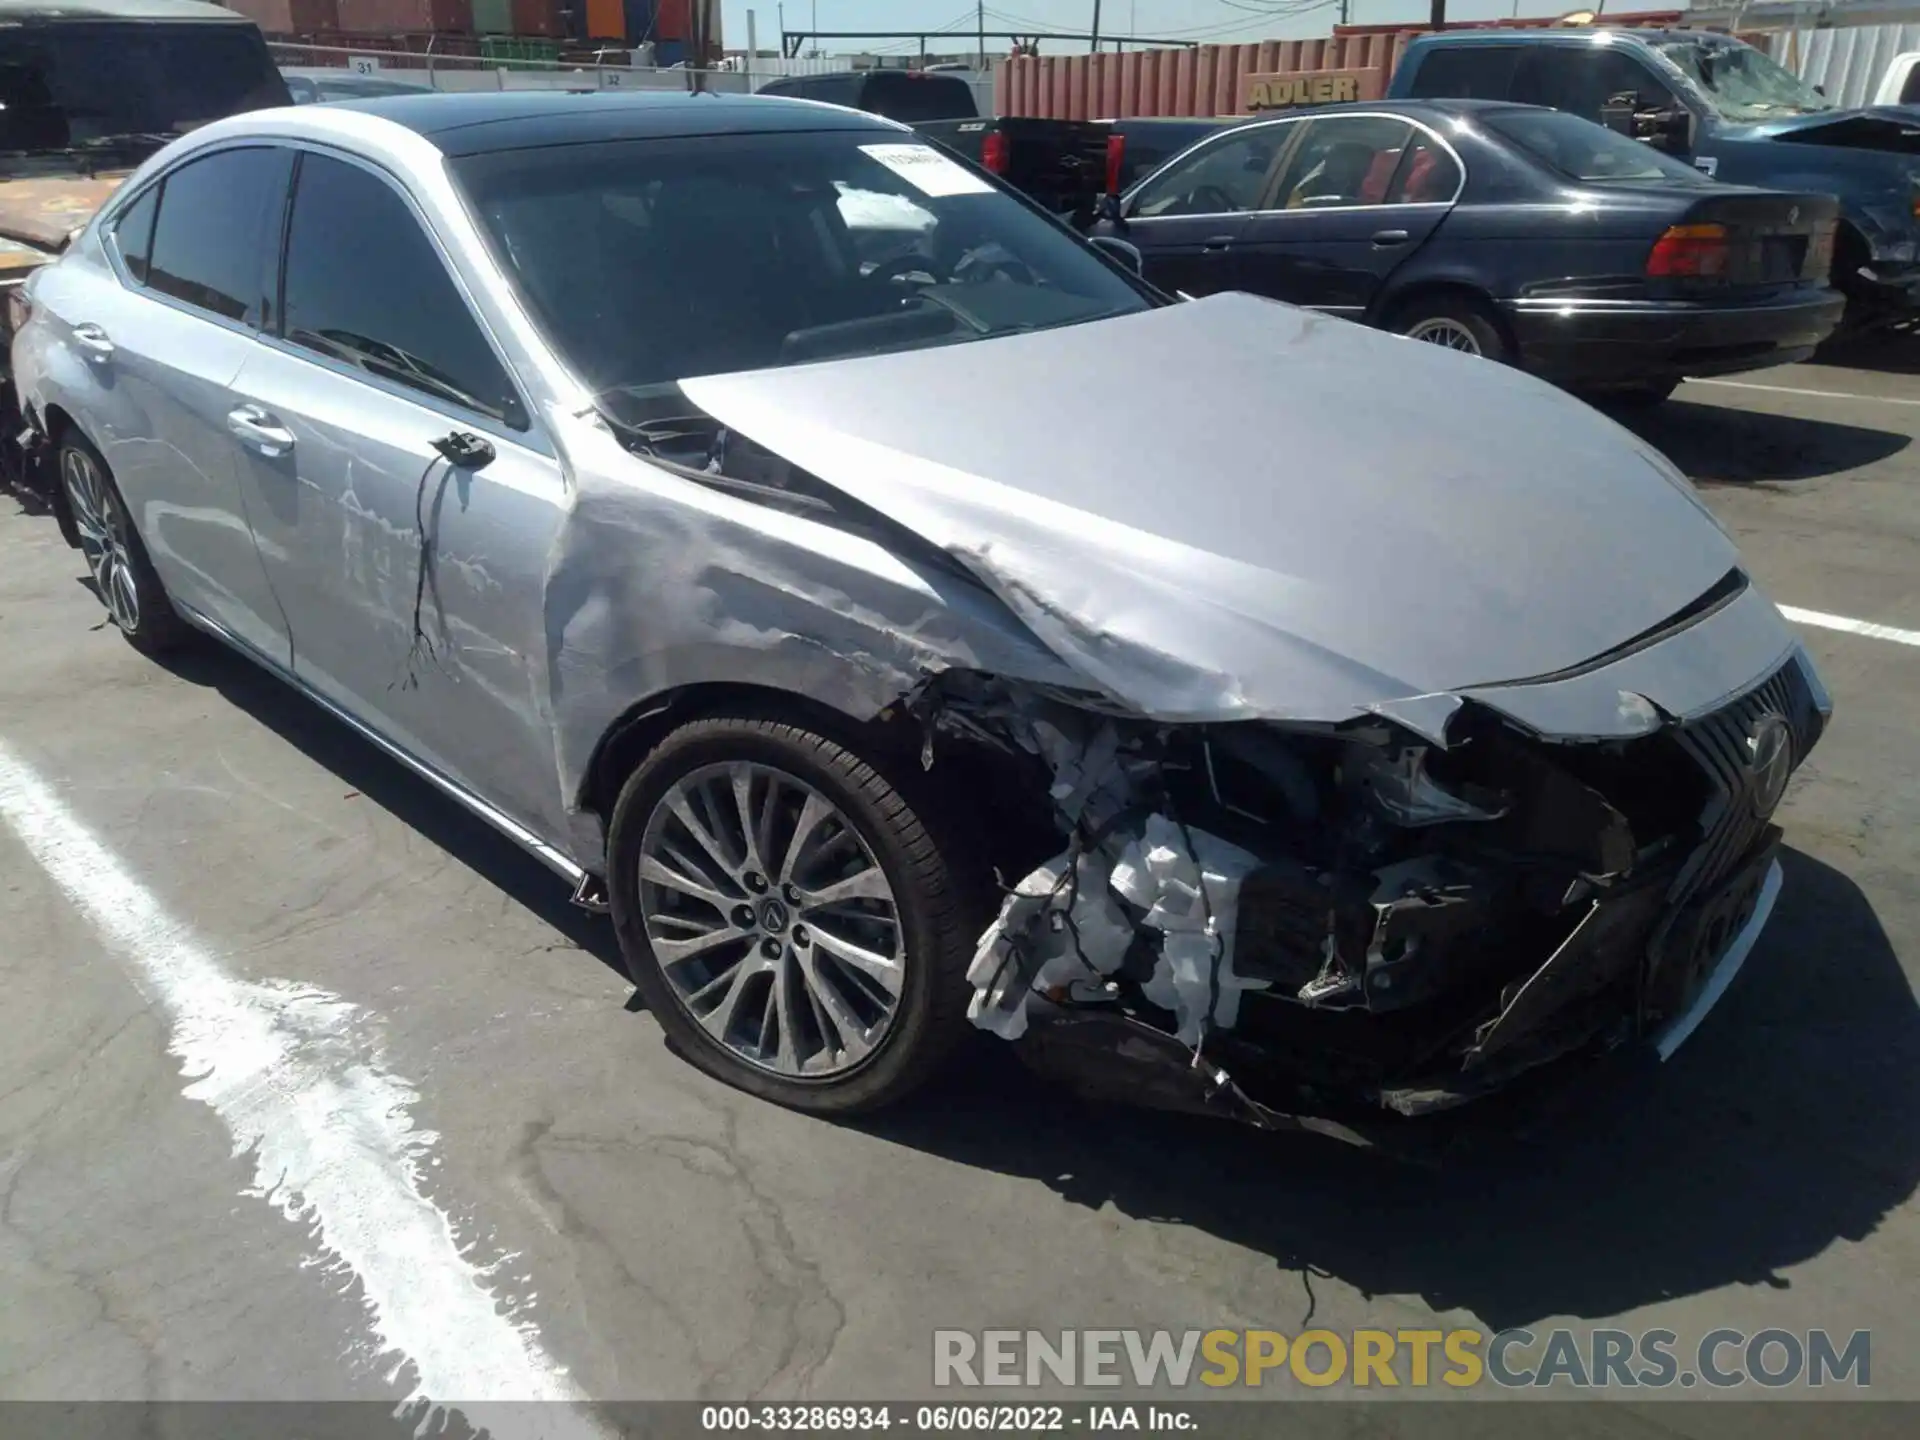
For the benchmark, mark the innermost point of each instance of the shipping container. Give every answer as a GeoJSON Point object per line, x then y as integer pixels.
{"type": "Point", "coordinates": [641, 17]}
{"type": "Point", "coordinates": [673, 20]}
{"type": "Point", "coordinates": [538, 17]}
{"type": "Point", "coordinates": [669, 53]}
{"type": "Point", "coordinates": [493, 17]}
{"type": "Point", "coordinates": [401, 17]}
{"type": "Point", "coordinates": [606, 20]}
{"type": "Point", "coordinates": [512, 50]}
{"type": "Point", "coordinates": [290, 17]}
{"type": "Point", "coordinates": [1212, 79]}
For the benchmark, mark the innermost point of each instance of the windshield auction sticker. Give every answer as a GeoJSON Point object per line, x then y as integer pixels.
{"type": "Point", "coordinates": [927, 170]}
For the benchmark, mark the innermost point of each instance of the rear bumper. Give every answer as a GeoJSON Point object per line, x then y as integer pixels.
{"type": "Point", "coordinates": [1603, 345]}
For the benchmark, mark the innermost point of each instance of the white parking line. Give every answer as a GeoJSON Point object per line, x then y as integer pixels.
{"type": "Point", "coordinates": [302, 1088]}
{"type": "Point", "coordinates": [1852, 627]}
{"type": "Point", "coordinates": [1818, 394]}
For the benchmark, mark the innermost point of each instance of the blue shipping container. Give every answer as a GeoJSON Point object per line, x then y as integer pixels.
{"type": "Point", "coordinates": [641, 17]}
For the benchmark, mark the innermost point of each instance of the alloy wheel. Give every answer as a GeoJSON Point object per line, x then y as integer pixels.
{"type": "Point", "coordinates": [772, 921]}
{"type": "Point", "coordinates": [101, 524]}
{"type": "Point", "coordinates": [1445, 331]}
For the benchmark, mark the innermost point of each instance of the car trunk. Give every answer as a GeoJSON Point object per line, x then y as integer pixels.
{"type": "Point", "coordinates": [1769, 242]}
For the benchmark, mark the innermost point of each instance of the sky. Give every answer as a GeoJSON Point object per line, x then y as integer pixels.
{"type": "Point", "coordinates": [1220, 21]}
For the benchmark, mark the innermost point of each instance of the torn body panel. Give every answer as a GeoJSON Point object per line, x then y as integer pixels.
{"type": "Point", "coordinates": [1345, 925]}
{"type": "Point", "coordinates": [659, 581]}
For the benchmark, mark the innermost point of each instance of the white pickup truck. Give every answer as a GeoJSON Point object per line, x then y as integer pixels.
{"type": "Point", "coordinates": [1901, 84]}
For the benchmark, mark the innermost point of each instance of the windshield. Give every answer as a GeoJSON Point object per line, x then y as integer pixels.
{"type": "Point", "coordinates": [650, 261]}
{"type": "Point", "coordinates": [95, 84]}
{"type": "Point", "coordinates": [1583, 151]}
{"type": "Point", "coordinates": [1739, 81]}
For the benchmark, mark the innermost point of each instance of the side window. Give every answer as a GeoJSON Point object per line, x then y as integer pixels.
{"type": "Point", "coordinates": [133, 232]}
{"type": "Point", "coordinates": [213, 241]}
{"type": "Point", "coordinates": [1345, 160]}
{"type": "Point", "coordinates": [365, 286]}
{"type": "Point", "coordinates": [1227, 176]}
{"type": "Point", "coordinates": [1427, 175]}
{"type": "Point", "coordinates": [1582, 78]}
{"type": "Point", "coordinates": [1466, 72]}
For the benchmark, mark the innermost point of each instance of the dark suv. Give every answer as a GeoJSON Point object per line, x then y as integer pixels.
{"type": "Point", "coordinates": [88, 90]}
{"type": "Point", "coordinates": [1729, 110]}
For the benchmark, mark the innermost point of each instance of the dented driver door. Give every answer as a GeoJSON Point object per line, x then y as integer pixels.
{"type": "Point", "coordinates": [412, 583]}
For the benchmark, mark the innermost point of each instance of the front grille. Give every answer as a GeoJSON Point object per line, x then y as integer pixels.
{"type": "Point", "coordinates": [1737, 814]}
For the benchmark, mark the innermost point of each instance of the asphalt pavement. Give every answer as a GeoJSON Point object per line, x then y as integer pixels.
{"type": "Point", "coordinates": [219, 910]}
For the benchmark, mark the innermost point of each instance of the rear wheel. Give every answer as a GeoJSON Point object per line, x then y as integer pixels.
{"type": "Point", "coordinates": [1453, 322]}
{"type": "Point", "coordinates": [123, 576]}
{"type": "Point", "coordinates": [790, 919]}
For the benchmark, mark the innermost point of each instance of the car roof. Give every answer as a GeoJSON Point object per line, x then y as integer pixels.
{"type": "Point", "coordinates": [20, 11]}
{"type": "Point", "coordinates": [1428, 108]}
{"type": "Point", "coordinates": [1572, 35]}
{"type": "Point", "coordinates": [482, 121]}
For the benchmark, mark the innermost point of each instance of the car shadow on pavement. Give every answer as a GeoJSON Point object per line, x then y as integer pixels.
{"type": "Point", "coordinates": [1785, 1124]}
{"type": "Point", "coordinates": [1889, 353]}
{"type": "Point", "coordinates": [1718, 444]}
{"type": "Point", "coordinates": [362, 767]}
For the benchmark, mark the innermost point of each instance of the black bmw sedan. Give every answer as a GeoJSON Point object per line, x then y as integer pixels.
{"type": "Point", "coordinates": [1522, 234]}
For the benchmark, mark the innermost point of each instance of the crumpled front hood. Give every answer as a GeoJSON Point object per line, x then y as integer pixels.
{"type": "Point", "coordinates": [1856, 127]}
{"type": "Point", "coordinates": [1233, 509]}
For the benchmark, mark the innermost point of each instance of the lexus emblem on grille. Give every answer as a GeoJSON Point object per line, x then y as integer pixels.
{"type": "Point", "coordinates": [1793, 216]}
{"type": "Point", "coordinates": [1769, 762]}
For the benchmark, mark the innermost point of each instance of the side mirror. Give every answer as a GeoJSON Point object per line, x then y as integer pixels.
{"type": "Point", "coordinates": [1664, 129]}
{"type": "Point", "coordinates": [1110, 211]}
{"type": "Point", "coordinates": [1124, 252]}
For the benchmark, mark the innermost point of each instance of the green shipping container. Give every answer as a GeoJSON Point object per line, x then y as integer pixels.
{"type": "Point", "coordinates": [493, 17]}
{"type": "Point", "coordinates": [510, 51]}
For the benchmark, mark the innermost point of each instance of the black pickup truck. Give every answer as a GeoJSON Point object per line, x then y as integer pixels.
{"type": "Point", "coordinates": [1060, 164]}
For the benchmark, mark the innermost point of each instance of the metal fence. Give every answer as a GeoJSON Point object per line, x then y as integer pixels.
{"type": "Point", "coordinates": [606, 70]}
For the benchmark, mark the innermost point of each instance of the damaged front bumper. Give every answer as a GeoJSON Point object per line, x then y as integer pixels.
{"type": "Point", "coordinates": [1338, 929]}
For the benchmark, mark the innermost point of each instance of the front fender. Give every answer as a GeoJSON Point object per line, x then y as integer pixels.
{"type": "Point", "coordinates": [658, 583]}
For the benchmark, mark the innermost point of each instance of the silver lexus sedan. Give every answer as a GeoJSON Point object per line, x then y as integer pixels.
{"type": "Point", "coordinates": [901, 617]}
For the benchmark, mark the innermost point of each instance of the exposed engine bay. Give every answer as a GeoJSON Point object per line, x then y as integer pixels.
{"type": "Point", "coordinates": [1314, 926]}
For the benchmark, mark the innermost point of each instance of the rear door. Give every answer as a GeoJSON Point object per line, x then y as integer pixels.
{"type": "Point", "coordinates": [1188, 219]}
{"type": "Point", "coordinates": [1358, 196]}
{"type": "Point", "coordinates": [194, 251]}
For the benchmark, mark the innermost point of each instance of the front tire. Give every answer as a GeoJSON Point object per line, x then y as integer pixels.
{"type": "Point", "coordinates": [788, 916]}
{"type": "Point", "coordinates": [123, 576]}
{"type": "Point", "coordinates": [1453, 322]}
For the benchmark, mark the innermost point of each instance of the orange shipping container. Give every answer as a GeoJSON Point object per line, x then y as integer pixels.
{"type": "Point", "coordinates": [407, 17]}
{"type": "Point", "coordinates": [538, 17]}
{"type": "Point", "coordinates": [607, 20]}
{"type": "Point", "coordinates": [290, 17]}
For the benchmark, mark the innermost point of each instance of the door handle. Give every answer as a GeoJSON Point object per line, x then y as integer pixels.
{"type": "Point", "coordinates": [1216, 242]}
{"type": "Point", "coordinates": [1390, 237]}
{"type": "Point", "coordinates": [253, 426]}
{"type": "Point", "coordinates": [92, 342]}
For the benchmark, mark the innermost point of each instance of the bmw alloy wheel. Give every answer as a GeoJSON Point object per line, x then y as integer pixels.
{"type": "Point", "coordinates": [101, 524]}
{"type": "Point", "coordinates": [1446, 331]}
{"type": "Point", "coordinates": [775, 926]}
